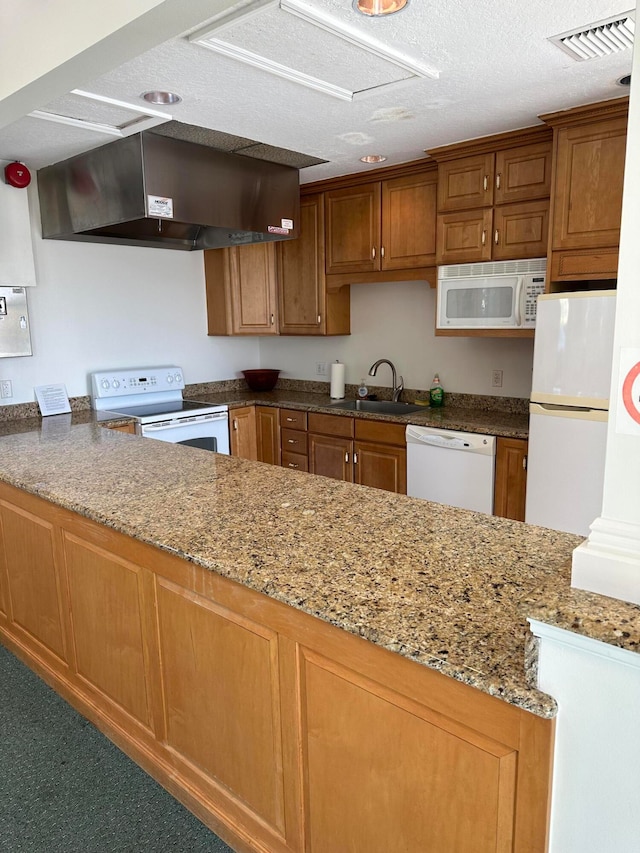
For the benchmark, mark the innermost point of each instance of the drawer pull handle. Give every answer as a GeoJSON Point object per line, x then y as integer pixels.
{"type": "Point", "coordinates": [498, 181]}
{"type": "Point", "coordinates": [373, 253]}
{"type": "Point", "coordinates": [293, 465]}
{"type": "Point", "coordinates": [292, 441]}
{"type": "Point", "coordinates": [485, 183]}
{"type": "Point", "coordinates": [496, 236]}
{"type": "Point", "coordinates": [484, 237]}
{"type": "Point", "coordinates": [292, 420]}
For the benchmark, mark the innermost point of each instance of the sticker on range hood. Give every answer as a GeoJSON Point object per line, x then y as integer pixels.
{"type": "Point", "coordinates": [158, 205]}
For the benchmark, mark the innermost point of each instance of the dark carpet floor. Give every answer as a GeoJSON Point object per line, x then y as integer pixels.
{"type": "Point", "coordinates": [65, 787]}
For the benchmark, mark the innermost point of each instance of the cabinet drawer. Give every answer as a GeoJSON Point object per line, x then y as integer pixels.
{"type": "Point", "coordinates": [381, 432]}
{"type": "Point", "coordinates": [295, 461]}
{"type": "Point", "coordinates": [293, 419]}
{"type": "Point", "coordinates": [331, 425]}
{"type": "Point", "coordinates": [294, 441]}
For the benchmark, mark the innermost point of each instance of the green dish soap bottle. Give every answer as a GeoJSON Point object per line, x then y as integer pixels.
{"type": "Point", "coordinates": [436, 392]}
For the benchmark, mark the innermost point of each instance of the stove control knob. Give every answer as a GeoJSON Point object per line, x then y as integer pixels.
{"type": "Point", "coordinates": [169, 378]}
{"type": "Point", "coordinates": [105, 384]}
{"type": "Point", "coordinates": [178, 377]}
{"type": "Point", "coordinates": [116, 383]}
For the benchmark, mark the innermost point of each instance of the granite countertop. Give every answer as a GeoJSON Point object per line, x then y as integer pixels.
{"type": "Point", "coordinates": [442, 586]}
{"type": "Point", "coordinates": [470, 418]}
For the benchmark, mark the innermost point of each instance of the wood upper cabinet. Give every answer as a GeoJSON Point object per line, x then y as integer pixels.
{"type": "Point", "coordinates": [511, 478]}
{"type": "Point", "coordinates": [242, 432]}
{"type": "Point", "coordinates": [494, 204]}
{"type": "Point", "coordinates": [306, 307]}
{"type": "Point", "coordinates": [589, 149]}
{"type": "Point", "coordinates": [268, 434]}
{"type": "Point", "coordinates": [383, 225]}
{"type": "Point", "coordinates": [241, 290]}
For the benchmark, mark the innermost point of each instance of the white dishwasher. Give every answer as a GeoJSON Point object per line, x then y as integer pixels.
{"type": "Point", "coordinates": [455, 468]}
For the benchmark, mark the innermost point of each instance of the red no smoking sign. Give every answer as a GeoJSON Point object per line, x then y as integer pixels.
{"type": "Point", "coordinates": [629, 416]}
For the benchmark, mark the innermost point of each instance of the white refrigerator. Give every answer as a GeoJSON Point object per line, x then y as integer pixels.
{"type": "Point", "coordinates": [572, 357]}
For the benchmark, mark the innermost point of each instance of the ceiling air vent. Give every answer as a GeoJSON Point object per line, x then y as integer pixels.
{"type": "Point", "coordinates": [602, 39]}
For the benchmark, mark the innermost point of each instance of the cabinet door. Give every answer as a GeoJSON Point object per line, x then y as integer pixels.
{"type": "Point", "coordinates": [381, 466]}
{"type": "Point", "coordinates": [331, 456]}
{"type": "Point", "coordinates": [511, 478]}
{"type": "Point", "coordinates": [409, 222]}
{"type": "Point", "coordinates": [252, 271]}
{"type": "Point", "coordinates": [464, 237]}
{"type": "Point", "coordinates": [523, 173]}
{"type": "Point", "coordinates": [466, 183]}
{"type": "Point", "coordinates": [242, 430]}
{"type": "Point", "coordinates": [353, 229]}
{"type": "Point", "coordinates": [268, 434]}
{"type": "Point", "coordinates": [305, 306]}
{"type": "Point", "coordinates": [588, 185]}
{"type": "Point", "coordinates": [520, 230]}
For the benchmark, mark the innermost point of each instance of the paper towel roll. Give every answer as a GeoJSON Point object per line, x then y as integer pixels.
{"type": "Point", "coordinates": [337, 380]}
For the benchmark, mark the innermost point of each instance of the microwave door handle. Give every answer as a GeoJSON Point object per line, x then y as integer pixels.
{"type": "Point", "coordinates": [518, 300]}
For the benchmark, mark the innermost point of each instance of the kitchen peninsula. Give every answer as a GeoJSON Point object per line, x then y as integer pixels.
{"type": "Point", "coordinates": [305, 663]}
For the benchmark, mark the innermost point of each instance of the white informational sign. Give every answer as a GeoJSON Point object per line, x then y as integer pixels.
{"type": "Point", "coordinates": [52, 399]}
{"type": "Point", "coordinates": [628, 420]}
{"type": "Point", "coordinates": [160, 206]}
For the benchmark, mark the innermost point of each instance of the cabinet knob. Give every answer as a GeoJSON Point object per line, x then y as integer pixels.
{"type": "Point", "coordinates": [485, 183]}
{"type": "Point", "coordinates": [373, 253]}
{"type": "Point", "coordinates": [319, 319]}
{"type": "Point", "coordinates": [235, 423]}
{"type": "Point", "coordinates": [382, 252]}
{"type": "Point", "coordinates": [496, 236]}
{"type": "Point", "coordinates": [355, 458]}
{"type": "Point", "coordinates": [484, 237]}
{"type": "Point", "coordinates": [498, 176]}
{"type": "Point", "coordinates": [272, 319]}
{"type": "Point", "coordinates": [346, 457]}
{"type": "Point", "coordinates": [524, 462]}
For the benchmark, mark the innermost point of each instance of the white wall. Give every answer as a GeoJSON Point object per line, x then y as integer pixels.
{"type": "Point", "coordinates": [595, 806]}
{"type": "Point", "coordinates": [396, 321]}
{"type": "Point", "coordinates": [101, 306]}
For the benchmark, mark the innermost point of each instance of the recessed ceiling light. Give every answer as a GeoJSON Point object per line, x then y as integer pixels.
{"type": "Point", "coordinates": [375, 8]}
{"type": "Point", "coordinates": [164, 98]}
{"type": "Point", "coordinates": [373, 158]}
{"type": "Point", "coordinates": [624, 81]}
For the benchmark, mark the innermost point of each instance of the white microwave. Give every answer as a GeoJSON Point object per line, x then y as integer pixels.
{"type": "Point", "coordinates": [492, 295]}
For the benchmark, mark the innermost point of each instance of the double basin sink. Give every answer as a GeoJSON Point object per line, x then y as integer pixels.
{"type": "Point", "coordinates": [380, 407]}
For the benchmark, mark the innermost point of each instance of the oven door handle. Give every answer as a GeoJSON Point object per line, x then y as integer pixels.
{"type": "Point", "coordinates": [183, 422]}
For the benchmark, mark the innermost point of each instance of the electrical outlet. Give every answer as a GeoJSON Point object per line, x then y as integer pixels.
{"type": "Point", "coordinates": [496, 379]}
{"type": "Point", "coordinates": [5, 388]}
{"type": "Point", "coordinates": [321, 368]}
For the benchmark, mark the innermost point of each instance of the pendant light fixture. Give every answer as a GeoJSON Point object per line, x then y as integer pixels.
{"type": "Point", "coordinates": [376, 8]}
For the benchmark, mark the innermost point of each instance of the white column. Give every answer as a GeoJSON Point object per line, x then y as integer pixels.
{"type": "Point", "coordinates": [608, 562]}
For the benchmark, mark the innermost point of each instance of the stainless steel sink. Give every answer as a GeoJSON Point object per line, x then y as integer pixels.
{"type": "Point", "coordinates": [380, 407]}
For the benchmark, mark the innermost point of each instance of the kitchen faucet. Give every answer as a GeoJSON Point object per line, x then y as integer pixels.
{"type": "Point", "coordinates": [397, 388]}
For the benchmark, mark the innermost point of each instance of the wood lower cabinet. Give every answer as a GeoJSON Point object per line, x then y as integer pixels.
{"type": "Point", "coordinates": [511, 478]}
{"type": "Point", "coordinates": [130, 429]}
{"type": "Point", "coordinates": [268, 434]}
{"type": "Point", "coordinates": [281, 732]}
{"type": "Point", "coordinates": [243, 432]}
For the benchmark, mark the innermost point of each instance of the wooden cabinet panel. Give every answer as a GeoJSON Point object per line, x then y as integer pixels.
{"type": "Point", "coordinates": [520, 230]}
{"type": "Point", "coordinates": [331, 424]}
{"type": "Point", "coordinates": [381, 466]}
{"type": "Point", "coordinates": [294, 441]}
{"type": "Point", "coordinates": [353, 229]}
{"type": "Point", "coordinates": [243, 432]}
{"type": "Point", "coordinates": [511, 478]}
{"type": "Point", "coordinates": [588, 184]}
{"type": "Point", "coordinates": [464, 237]}
{"type": "Point", "coordinates": [107, 592]}
{"type": "Point", "coordinates": [295, 461]}
{"type": "Point", "coordinates": [268, 434]}
{"type": "Point", "coordinates": [34, 596]}
{"type": "Point", "coordinates": [220, 679]}
{"type": "Point", "coordinates": [466, 183]}
{"type": "Point", "coordinates": [583, 264]}
{"type": "Point", "coordinates": [293, 419]}
{"type": "Point", "coordinates": [523, 173]}
{"type": "Point", "coordinates": [306, 307]}
{"type": "Point", "coordinates": [381, 432]}
{"type": "Point", "coordinates": [453, 790]}
{"type": "Point", "coordinates": [130, 429]}
{"type": "Point", "coordinates": [409, 222]}
{"type": "Point", "coordinates": [241, 290]}
{"type": "Point", "coordinates": [331, 456]}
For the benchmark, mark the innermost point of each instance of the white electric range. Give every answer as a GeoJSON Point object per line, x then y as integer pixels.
{"type": "Point", "coordinates": [152, 396]}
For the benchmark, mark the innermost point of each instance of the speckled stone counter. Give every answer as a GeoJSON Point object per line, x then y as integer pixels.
{"type": "Point", "coordinates": [491, 422]}
{"type": "Point", "coordinates": [439, 585]}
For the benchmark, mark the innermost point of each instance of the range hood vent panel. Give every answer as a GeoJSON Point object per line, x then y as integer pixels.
{"type": "Point", "coordinates": [218, 199]}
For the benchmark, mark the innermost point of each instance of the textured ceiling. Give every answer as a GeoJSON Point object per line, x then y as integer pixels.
{"type": "Point", "coordinates": [496, 71]}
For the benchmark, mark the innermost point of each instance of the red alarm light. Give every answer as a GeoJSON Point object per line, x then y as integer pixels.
{"type": "Point", "coordinates": [17, 175]}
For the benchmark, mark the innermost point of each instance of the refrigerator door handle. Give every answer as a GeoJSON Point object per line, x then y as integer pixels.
{"type": "Point", "coordinates": [518, 300]}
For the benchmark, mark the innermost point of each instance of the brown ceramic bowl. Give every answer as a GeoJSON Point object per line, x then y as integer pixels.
{"type": "Point", "coordinates": [261, 380]}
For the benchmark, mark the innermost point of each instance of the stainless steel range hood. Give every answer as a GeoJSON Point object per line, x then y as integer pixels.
{"type": "Point", "coordinates": [152, 190]}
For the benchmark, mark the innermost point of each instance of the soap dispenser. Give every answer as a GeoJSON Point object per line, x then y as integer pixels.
{"type": "Point", "coordinates": [436, 392]}
{"type": "Point", "coordinates": [362, 390]}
